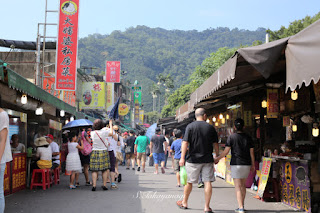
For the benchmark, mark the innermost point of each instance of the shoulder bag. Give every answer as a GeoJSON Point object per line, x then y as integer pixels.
{"type": "Point", "coordinates": [87, 149]}
{"type": "Point", "coordinates": [102, 140]}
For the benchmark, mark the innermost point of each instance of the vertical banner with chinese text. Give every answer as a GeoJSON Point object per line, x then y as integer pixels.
{"type": "Point", "coordinates": [263, 180]}
{"type": "Point", "coordinates": [67, 45]}
{"type": "Point", "coordinates": [113, 71]}
{"type": "Point", "coordinates": [110, 96]}
{"type": "Point", "coordinates": [273, 103]}
{"type": "Point", "coordinates": [19, 171]}
{"type": "Point", "coordinates": [141, 117]}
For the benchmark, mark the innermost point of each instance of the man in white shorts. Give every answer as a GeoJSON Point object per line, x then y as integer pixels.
{"type": "Point", "coordinates": [201, 137]}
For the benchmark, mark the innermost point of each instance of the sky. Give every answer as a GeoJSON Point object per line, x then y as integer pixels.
{"type": "Point", "coordinates": [20, 18]}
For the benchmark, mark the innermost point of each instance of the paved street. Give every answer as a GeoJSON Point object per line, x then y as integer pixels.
{"type": "Point", "coordinates": [139, 192]}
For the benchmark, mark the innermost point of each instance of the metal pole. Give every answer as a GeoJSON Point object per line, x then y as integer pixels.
{"type": "Point", "coordinates": [38, 59]}
{"type": "Point", "coordinates": [44, 43]}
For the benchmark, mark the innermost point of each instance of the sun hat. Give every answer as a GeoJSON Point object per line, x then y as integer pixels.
{"type": "Point", "coordinates": [41, 141]}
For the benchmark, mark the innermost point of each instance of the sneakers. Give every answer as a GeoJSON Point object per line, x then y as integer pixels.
{"type": "Point", "coordinates": [127, 168]}
{"type": "Point", "coordinates": [133, 169]}
{"type": "Point", "coordinates": [201, 185]}
{"type": "Point", "coordinates": [238, 210]}
{"type": "Point", "coordinates": [72, 187]}
{"type": "Point", "coordinates": [138, 169]}
{"type": "Point", "coordinates": [114, 186]}
{"type": "Point", "coordinates": [119, 178]}
{"type": "Point", "coordinates": [93, 189]}
{"type": "Point", "coordinates": [104, 188]}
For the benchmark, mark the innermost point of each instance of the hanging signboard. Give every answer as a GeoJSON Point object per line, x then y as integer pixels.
{"type": "Point", "coordinates": [113, 71]}
{"type": "Point", "coordinates": [136, 112]}
{"type": "Point", "coordinates": [273, 104]}
{"type": "Point", "coordinates": [93, 96]}
{"type": "Point", "coordinates": [67, 45]}
{"type": "Point", "coordinates": [110, 96]}
{"type": "Point", "coordinates": [141, 117]}
{"type": "Point", "coordinates": [19, 172]}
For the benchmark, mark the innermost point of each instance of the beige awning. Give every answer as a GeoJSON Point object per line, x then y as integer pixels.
{"type": "Point", "coordinates": [303, 57]}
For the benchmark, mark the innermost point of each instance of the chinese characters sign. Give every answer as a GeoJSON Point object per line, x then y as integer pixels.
{"type": "Point", "coordinates": [295, 185]}
{"type": "Point", "coordinates": [273, 104]}
{"type": "Point", "coordinates": [19, 172]}
{"type": "Point", "coordinates": [113, 71]}
{"type": "Point", "coordinates": [110, 96]}
{"type": "Point", "coordinates": [7, 179]}
{"type": "Point", "coordinates": [263, 180]}
{"type": "Point", "coordinates": [93, 95]}
{"type": "Point", "coordinates": [67, 45]}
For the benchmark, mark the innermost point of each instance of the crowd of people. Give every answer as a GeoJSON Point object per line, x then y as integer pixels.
{"type": "Point", "coordinates": [103, 148]}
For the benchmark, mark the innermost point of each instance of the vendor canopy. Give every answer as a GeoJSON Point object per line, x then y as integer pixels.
{"type": "Point", "coordinates": [303, 57]}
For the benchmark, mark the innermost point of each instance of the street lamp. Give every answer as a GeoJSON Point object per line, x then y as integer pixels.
{"type": "Point", "coordinates": [62, 113]}
{"type": "Point", "coordinates": [24, 99]}
{"type": "Point", "coordinates": [39, 111]}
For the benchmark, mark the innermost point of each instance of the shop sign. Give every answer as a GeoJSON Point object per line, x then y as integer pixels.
{"type": "Point", "coordinates": [286, 121]}
{"type": "Point", "coordinates": [247, 115]}
{"type": "Point", "coordinates": [7, 179]}
{"type": "Point", "coordinates": [19, 172]}
{"type": "Point", "coordinates": [136, 88]}
{"type": "Point", "coordinates": [123, 109]}
{"type": "Point", "coordinates": [229, 179]}
{"type": "Point", "coordinates": [137, 97]}
{"type": "Point", "coordinates": [141, 117]}
{"type": "Point", "coordinates": [67, 46]}
{"type": "Point", "coordinates": [55, 125]}
{"type": "Point", "coordinates": [220, 168]}
{"type": "Point", "coordinates": [23, 117]}
{"type": "Point", "coordinates": [273, 104]}
{"type": "Point", "coordinates": [113, 71]}
{"type": "Point", "coordinates": [295, 185]}
{"type": "Point", "coordinates": [136, 112]}
{"type": "Point", "coordinates": [127, 119]}
{"type": "Point", "coordinates": [93, 95]}
{"type": "Point", "coordinates": [263, 180]}
{"type": "Point", "coordinates": [110, 96]}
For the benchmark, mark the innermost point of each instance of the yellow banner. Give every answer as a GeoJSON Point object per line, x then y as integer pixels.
{"type": "Point", "coordinates": [93, 95]}
{"type": "Point", "coordinates": [123, 109]}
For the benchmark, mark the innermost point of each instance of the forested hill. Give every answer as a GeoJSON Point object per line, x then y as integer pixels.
{"type": "Point", "coordinates": [146, 52]}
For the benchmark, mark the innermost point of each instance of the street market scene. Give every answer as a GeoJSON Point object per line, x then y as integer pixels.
{"type": "Point", "coordinates": [197, 111]}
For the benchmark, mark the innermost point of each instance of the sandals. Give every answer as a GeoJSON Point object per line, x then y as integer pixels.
{"type": "Point", "coordinates": [119, 178]}
{"type": "Point", "coordinates": [88, 183]}
{"type": "Point", "coordinates": [209, 211]}
{"type": "Point", "coordinates": [93, 189]}
{"type": "Point", "coordinates": [72, 187]}
{"type": "Point", "coordinates": [77, 184]}
{"type": "Point", "coordinates": [180, 205]}
{"type": "Point", "coordinates": [104, 188]}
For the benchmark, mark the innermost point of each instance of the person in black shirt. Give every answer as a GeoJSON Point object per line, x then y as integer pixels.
{"type": "Point", "coordinates": [201, 137]}
{"type": "Point", "coordinates": [242, 160]}
{"type": "Point", "coordinates": [129, 150]}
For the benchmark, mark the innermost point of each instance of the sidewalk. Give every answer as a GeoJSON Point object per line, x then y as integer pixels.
{"type": "Point", "coordinates": [138, 192]}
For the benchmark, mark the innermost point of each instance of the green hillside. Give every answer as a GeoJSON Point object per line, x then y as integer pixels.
{"type": "Point", "coordinates": [146, 52]}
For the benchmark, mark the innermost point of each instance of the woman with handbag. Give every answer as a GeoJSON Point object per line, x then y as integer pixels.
{"type": "Point", "coordinates": [99, 159]}
{"type": "Point", "coordinates": [85, 155]}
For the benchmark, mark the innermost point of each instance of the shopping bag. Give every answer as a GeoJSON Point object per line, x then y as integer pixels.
{"type": "Point", "coordinates": [183, 175]}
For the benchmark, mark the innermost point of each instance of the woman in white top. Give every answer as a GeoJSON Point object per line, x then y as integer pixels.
{"type": "Point", "coordinates": [99, 159]}
{"type": "Point", "coordinates": [44, 153]}
{"type": "Point", "coordinates": [5, 151]}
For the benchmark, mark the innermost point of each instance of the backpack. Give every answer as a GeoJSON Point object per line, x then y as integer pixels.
{"type": "Point", "coordinates": [87, 149]}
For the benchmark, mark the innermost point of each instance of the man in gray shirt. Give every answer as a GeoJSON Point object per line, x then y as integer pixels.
{"type": "Point", "coordinates": [158, 141]}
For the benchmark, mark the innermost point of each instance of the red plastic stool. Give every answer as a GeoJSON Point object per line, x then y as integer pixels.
{"type": "Point", "coordinates": [40, 177]}
{"type": "Point", "coordinates": [56, 173]}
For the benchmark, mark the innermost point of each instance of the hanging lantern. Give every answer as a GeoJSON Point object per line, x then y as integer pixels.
{"type": "Point", "coordinates": [220, 116]}
{"type": "Point", "coordinates": [62, 113]}
{"type": "Point", "coordinates": [227, 117]}
{"type": "Point", "coordinates": [294, 95]}
{"type": "Point", "coordinates": [214, 119]}
{"type": "Point", "coordinates": [315, 132]}
{"type": "Point", "coordinates": [294, 128]}
{"type": "Point", "coordinates": [223, 120]}
{"type": "Point", "coordinates": [216, 124]}
{"type": "Point", "coordinates": [72, 118]}
{"type": "Point", "coordinates": [39, 111]}
{"type": "Point", "coordinates": [67, 121]}
{"type": "Point", "coordinates": [208, 121]}
{"type": "Point", "coordinates": [24, 99]}
{"type": "Point", "coordinates": [264, 104]}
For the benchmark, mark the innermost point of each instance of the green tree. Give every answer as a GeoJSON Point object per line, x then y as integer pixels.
{"type": "Point", "coordinates": [152, 117]}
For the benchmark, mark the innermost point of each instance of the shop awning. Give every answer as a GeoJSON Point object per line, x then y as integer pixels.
{"type": "Point", "coordinates": [303, 57]}
{"type": "Point", "coordinates": [21, 84]}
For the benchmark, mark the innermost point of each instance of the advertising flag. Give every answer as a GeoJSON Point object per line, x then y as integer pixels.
{"type": "Point", "coordinates": [67, 45]}
{"type": "Point", "coordinates": [113, 71]}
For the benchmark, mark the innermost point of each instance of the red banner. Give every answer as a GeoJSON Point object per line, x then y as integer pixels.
{"type": "Point", "coordinates": [7, 179]}
{"type": "Point", "coordinates": [113, 71]}
{"type": "Point", "coordinates": [67, 45]}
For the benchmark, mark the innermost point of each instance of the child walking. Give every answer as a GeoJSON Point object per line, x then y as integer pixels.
{"type": "Point", "coordinates": [176, 148]}
{"type": "Point", "coordinates": [73, 158]}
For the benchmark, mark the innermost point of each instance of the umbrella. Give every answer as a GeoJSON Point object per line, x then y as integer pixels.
{"type": "Point", "coordinates": [114, 113]}
{"type": "Point", "coordinates": [151, 130]}
{"type": "Point", "coordinates": [78, 123]}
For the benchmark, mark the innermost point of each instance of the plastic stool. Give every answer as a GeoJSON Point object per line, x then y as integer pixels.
{"type": "Point", "coordinates": [38, 175]}
{"type": "Point", "coordinates": [56, 173]}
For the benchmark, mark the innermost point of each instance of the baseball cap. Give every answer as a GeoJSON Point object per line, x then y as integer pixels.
{"type": "Point", "coordinates": [49, 136]}
{"type": "Point", "coordinates": [125, 133]}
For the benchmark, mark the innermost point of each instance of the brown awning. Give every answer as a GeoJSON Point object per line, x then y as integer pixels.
{"type": "Point", "coordinates": [303, 57]}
